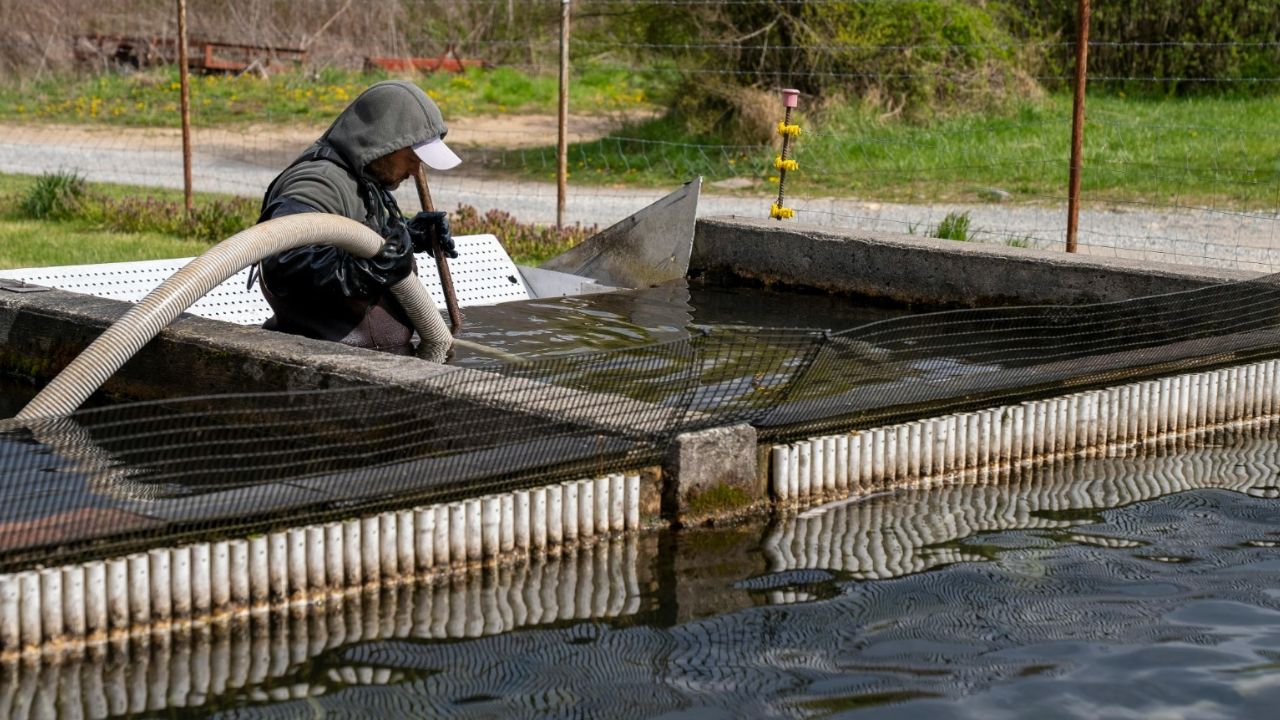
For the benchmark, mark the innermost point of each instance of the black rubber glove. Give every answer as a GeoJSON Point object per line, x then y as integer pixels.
{"type": "Point", "coordinates": [431, 225]}
{"type": "Point", "coordinates": [393, 263]}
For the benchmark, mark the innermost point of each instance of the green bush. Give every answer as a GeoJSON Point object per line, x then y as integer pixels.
{"type": "Point", "coordinates": [54, 196]}
{"type": "Point", "coordinates": [1226, 40]}
{"type": "Point", "coordinates": [963, 55]}
{"type": "Point", "coordinates": [211, 222]}
{"type": "Point", "coordinates": [525, 242]}
{"type": "Point", "coordinates": [215, 221]}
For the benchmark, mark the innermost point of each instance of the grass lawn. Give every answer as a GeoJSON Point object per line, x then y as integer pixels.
{"type": "Point", "coordinates": [40, 243]}
{"type": "Point", "coordinates": [1203, 152]}
{"type": "Point", "coordinates": [82, 239]}
{"type": "Point", "coordinates": [151, 99]}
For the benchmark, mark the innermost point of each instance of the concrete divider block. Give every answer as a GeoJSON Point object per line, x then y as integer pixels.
{"type": "Point", "coordinates": [711, 473]}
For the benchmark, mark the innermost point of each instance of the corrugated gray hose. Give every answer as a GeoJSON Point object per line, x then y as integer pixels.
{"type": "Point", "coordinates": [104, 356]}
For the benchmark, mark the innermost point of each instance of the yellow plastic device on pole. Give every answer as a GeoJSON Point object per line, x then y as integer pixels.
{"type": "Point", "coordinates": [783, 163]}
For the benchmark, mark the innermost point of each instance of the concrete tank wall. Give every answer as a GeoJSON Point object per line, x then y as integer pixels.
{"type": "Point", "coordinates": [927, 272]}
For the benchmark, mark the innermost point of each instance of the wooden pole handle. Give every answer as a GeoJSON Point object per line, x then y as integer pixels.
{"type": "Point", "coordinates": [442, 264]}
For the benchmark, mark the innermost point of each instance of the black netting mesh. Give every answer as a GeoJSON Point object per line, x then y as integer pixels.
{"type": "Point", "coordinates": [120, 476]}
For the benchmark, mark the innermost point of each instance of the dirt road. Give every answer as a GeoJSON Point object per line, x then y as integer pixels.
{"type": "Point", "coordinates": [243, 161]}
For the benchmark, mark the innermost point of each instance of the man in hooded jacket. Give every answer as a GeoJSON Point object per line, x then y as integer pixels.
{"type": "Point", "coordinates": [374, 145]}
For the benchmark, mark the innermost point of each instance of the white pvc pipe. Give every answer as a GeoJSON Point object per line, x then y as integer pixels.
{"type": "Point", "coordinates": [371, 548]}
{"type": "Point", "coordinates": [474, 534]}
{"type": "Point", "coordinates": [586, 508]}
{"type": "Point", "coordinates": [297, 563]}
{"type": "Point", "coordinates": [389, 545]}
{"type": "Point", "coordinates": [317, 567]}
{"type": "Point", "coordinates": [600, 489]}
{"type": "Point", "coordinates": [239, 569]}
{"type": "Point", "coordinates": [617, 502]}
{"type": "Point", "coordinates": [424, 522]}
{"type": "Point", "coordinates": [29, 608]}
{"type": "Point", "coordinates": [161, 584]}
{"type": "Point", "coordinates": [117, 593]}
{"type": "Point", "coordinates": [220, 575]}
{"type": "Point", "coordinates": [805, 454]}
{"type": "Point", "coordinates": [841, 451]}
{"type": "Point", "coordinates": [335, 554]}
{"type": "Point", "coordinates": [441, 543]}
{"type": "Point", "coordinates": [407, 542]}
{"type": "Point", "coordinates": [538, 514]}
{"type": "Point", "coordinates": [10, 618]}
{"type": "Point", "coordinates": [779, 457]}
{"type": "Point", "coordinates": [277, 565]}
{"type": "Point", "coordinates": [490, 519]}
{"type": "Point", "coordinates": [51, 603]}
{"type": "Point", "coordinates": [95, 601]}
{"type": "Point", "coordinates": [817, 467]}
{"type": "Point", "coordinates": [521, 521]}
{"type": "Point", "coordinates": [457, 533]}
{"type": "Point", "coordinates": [353, 553]}
{"type": "Point", "coordinates": [259, 571]}
{"type": "Point", "coordinates": [73, 602]}
{"type": "Point", "coordinates": [569, 500]}
{"type": "Point", "coordinates": [201, 592]}
{"type": "Point", "coordinates": [633, 502]}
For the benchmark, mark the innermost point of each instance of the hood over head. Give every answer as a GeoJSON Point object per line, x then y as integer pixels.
{"type": "Point", "coordinates": [388, 116]}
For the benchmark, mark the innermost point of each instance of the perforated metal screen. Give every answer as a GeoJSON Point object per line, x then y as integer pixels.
{"type": "Point", "coordinates": [483, 274]}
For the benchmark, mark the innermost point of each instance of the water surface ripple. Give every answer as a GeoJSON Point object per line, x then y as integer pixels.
{"type": "Point", "coordinates": [1071, 593]}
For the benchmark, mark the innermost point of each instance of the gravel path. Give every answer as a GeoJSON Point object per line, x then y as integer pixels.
{"type": "Point", "coordinates": [245, 163]}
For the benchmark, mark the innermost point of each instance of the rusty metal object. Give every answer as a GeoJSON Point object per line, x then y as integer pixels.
{"type": "Point", "coordinates": [209, 56]}
{"type": "Point", "coordinates": [1077, 128]}
{"type": "Point", "coordinates": [448, 61]}
{"type": "Point", "coordinates": [562, 137]}
{"type": "Point", "coordinates": [187, 193]}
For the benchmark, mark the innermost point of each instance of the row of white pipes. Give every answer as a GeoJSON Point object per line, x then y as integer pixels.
{"type": "Point", "coordinates": [811, 471]}
{"type": "Point", "coordinates": [916, 531]}
{"type": "Point", "coordinates": [90, 602]}
{"type": "Point", "coordinates": [190, 665]}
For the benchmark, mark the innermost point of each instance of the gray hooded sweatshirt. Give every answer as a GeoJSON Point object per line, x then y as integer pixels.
{"type": "Point", "coordinates": [323, 292]}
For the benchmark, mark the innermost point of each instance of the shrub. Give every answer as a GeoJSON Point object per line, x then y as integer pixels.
{"type": "Point", "coordinates": [137, 215]}
{"type": "Point", "coordinates": [529, 243]}
{"type": "Point", "coordinates": [218, 220]}
{"type": "Point", "coordinates": [1222, 40]}
{"type": "Point", "coordinates": [55, 196]}
{"type": "Point", "coordinates": [210, 222]}
{"type": "Point", "coordinates": [962, 55]}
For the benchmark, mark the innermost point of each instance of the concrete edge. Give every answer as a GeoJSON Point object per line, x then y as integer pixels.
{"type": "Point", "coordinates": [928, 272]}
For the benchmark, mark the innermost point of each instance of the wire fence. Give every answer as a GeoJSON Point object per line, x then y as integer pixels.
{"type": "Point", "coordinates": [122, 476]}
{"type": "Point", "coordinates": [1159, 183]}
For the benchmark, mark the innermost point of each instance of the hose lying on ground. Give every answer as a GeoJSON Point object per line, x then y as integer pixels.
{"type": "Point", "coordinates": [104, 356]}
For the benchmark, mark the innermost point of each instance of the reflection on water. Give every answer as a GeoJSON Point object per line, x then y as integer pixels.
{"type": "Point", "coordinates": [610, 321]}
{"type": "Point", "coordinates": [733, 352]}
{"type": "Point", "coordinates": [1099, 588]}
{"type": "Point", "coordinates": [920, 529]}
{"type": "Point", "coordinates": [771, 358]}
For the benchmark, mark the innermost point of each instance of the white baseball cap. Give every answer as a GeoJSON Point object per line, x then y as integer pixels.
{"type": "Point", "coordinates": [437, 155]}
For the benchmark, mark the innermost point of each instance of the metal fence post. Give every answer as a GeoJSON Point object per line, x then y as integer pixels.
{"type": "Point", "coordinates": [186, 106]}
{"type": "Point", "coordinates": [1077, 127]}
{"type": "Point", "coordinates": [562, 139]}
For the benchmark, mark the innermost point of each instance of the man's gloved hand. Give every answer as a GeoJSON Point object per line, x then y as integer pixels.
{"type": "Point", "coordinates": [393, 263]}
{"type": "Point", "coordinates": [431, 225]}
